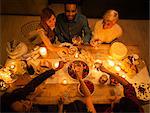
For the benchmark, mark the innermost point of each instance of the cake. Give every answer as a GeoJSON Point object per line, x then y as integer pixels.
{"type": "Point", "coordinates": [118, 50]}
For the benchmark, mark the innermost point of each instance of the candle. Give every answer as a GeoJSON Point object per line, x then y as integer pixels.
{"type": "Point", "coordinates": [12, 66]}
{"type": "Point", "coordinates": [76, 55]}
{"type": "Point", "coordinates": [43, 51]}
{"type": "Point", "coordinates": [65, 82]}
{"type": "Point", "coordinates": [117, 68]}
{"type": "Point", "coordinates": [111, 63]}
{"type": "Point", "coordinates": [56, 64]}
{"type": "Point", "coordinates": [123, 75]}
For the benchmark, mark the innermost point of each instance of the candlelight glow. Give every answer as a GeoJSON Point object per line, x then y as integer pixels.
{"type": "Point", "coordinates": [123, 75]}
{"type": "Point", "coordinates": [111, 63]}
{"type": "Point", "coordinates": [117, 68]}
{"type": "Point", "coordinates": [99, 61]}
{"type": "Point", "coordinates": [5, 75]}
{"type": "Point", "coordinates": [43, 51]}
{"type": "Point", "coordinates": [56, 64]}
{"type": "Point", "coordinates": [12, 66]}
{"type": "Point", "coordinates": [76, 55]}
{"type": "Point", "coordinates": [65, 81]}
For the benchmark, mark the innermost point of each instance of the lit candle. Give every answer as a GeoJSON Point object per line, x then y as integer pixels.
{"type": "Point", "coordinates": [12, 66]}
{"type": "Point", "coordinates": [76, 55]}
{"type": "Point", "coordinates": [43, 51]}
{"type": "Point", "coordinates": [65, 82]}
{"type": "Point", "coordinates": [111, 63]}
{"type": "Point", "coordinates": [123, 75]}
{"type": "Point", "coordinates": [117, 68]}
{"type": "Point", "coordinates": [56, 64]}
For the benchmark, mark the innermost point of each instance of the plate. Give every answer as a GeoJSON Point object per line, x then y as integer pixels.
{"type": "Point", "coordinates": [72, 50]}
{"type": "Point", "coordinates": [78, 62]}
{"type": "Point", "coordinates": [90, 86]}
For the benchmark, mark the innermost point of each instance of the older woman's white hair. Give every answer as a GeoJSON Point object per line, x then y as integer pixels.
{"type": "Point", "coordinates": [111, 15]}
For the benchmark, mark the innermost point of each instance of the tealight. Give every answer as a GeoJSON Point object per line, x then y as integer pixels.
{"type": "Point", "coordinates": [117, 68]}
{"type": "Point", "coordinates": [123, 75]}
{"type": "Point", "coordinates": [43, 51]}
{"type": "Point", "coordinates": [12, 66]}
{"type": "Point", "coordinates": [111, 63]}
{"type": "Point", "coordinates": [56, 64]}
{"type": "Point", "coordinates": [76, 55]}
{"type": "Point", "coordinates": [65, 82]}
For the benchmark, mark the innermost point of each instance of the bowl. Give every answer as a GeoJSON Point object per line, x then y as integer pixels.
{"type": "Point", "coordinates": [104, 79]}
{"type": "Point", "coordinates": [90, 86]}
{"type": "Point", "coordinates": [78, 62]}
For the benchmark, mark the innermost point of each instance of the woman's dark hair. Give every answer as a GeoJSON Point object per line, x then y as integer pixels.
{"type": "Point", "coordinates": [45, 15]}
{"type": "Point", "coordinates": [126, 105]}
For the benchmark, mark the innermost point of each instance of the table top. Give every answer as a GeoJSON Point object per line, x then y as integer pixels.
{"type": "Point", "coordinates": [53, 88]}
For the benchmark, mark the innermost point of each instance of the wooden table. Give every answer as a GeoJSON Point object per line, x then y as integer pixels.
{"type": "Point", "coordinates": [104, 94]}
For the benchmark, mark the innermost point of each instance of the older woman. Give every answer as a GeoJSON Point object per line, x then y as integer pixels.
{"type": "Point", "coordinates": [106, 30]}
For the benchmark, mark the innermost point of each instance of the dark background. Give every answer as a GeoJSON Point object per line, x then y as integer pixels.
{"type": "Point", "coordinates": [128, 9]}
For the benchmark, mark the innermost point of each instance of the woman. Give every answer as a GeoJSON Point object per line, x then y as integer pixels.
{"type": "Point", "coordinates": [47, 30]}
{"type": "Point", "coordinates": [48, 21]}
{"type": "Point", "coordinates": [106, 30]}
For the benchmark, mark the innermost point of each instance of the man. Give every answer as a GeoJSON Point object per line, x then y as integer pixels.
{"type": "Point", "coordinates": [72, 25]}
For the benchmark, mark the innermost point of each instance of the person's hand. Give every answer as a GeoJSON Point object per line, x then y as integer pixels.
{"type": "Point", "coordinates": [60, 104]}
{"type": "Point", "coordinates": [95, 42]}
{"type": "Point", "coordinates": [60, 101]}
{"type": "Point", "coordinates": [43, 66]}
{"type": "Point", "coordinates": [41, 32]}
{"type": "Point", "coordinates": [103, 69]}
{"type": "Point", "coordinates": [45, 63]}
{"type": "Point", "coordinates": [61, 64]}
{"type": "Point", "coordinates": [77, 40]}
{"type": "Point", "coordinates": [22, 106]}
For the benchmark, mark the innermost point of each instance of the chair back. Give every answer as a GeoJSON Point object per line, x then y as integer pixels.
{"type": "Point", "coordinates": [29, 28]}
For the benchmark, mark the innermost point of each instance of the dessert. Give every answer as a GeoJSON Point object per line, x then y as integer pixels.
{"type": "Point", "coordinates": [118, 50]}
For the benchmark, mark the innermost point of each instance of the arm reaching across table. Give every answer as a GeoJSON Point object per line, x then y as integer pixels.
{"type": "Point", "coordinates": [129, 103]}
{"type": "Point", "coordinates": [86, 92]}
{"type": "Point", "coordinates": [48, 44]}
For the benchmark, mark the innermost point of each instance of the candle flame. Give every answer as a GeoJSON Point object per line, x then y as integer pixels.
{"type": "Point", "coordinates": [117, 68]}
{"type": "Point", "coordinates": [111, 63]}
{"type": "Point", "coordinates": [43, 51]}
